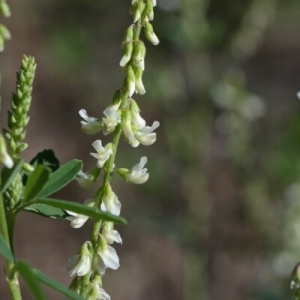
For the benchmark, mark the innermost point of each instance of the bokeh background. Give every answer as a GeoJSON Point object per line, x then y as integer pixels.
{"type": "Point", "coordinates": [219, 217]}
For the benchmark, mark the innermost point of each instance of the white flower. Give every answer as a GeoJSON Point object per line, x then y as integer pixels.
{"type": "Point", "coordinates": [108, 255]}
{"type": "Point", "coordinates": [79, 265]}
{"type": "Point", "coordinates": [110, 234]}
{"type": "Point", "coordinates": [102, 295]}
{"type": "Point", "coordinates": [84, 180]}
{"type": "Point", "coordinates": [136, 118]}
{"type": "Point", "coordinates": [112, 119]}
{"type": "Point", "coordinates": [138, 174]}
{"type": "Point", "coordinates": [298, 95]}
{"type": "Point", "coordinates": [110, 202]}
{"type": "Point", "coordinates": [102, 154]}
{"type": "Point", "coordinates": [78, 220]}
{"type": "Point", "coordinates": [91, 125]}
{"type": "Point", "coordinates": [98, 265]}
{"type": "Point", "coordinates": [145, 135]}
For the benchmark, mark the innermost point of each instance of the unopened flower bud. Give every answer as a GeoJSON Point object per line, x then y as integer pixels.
{"type": "Point", "coordinates": [148, 11]}
{"type": "Point", "coordinates": [127, 129]}
{"type": "Point", "coordinates": [130, 79]}
{"type": "Point", "coordinates": [4, 157]}
{"type": "Point", "coordinates": [139, 86]}
{"type": "Point", "coordinates": [4, 32]}
{"type": "Point", "coordinates": [4, 9]}
{"type": "Point", "coordinates": [150, 35]}
{"type": "Point", "coordinates": [139, 54]}
{"type": "Point", "coordinates": [138, 11]}
{"type": "Point", "coordinates": [128, 35]}
{"type": "Point", "coordinates": [27, 167]}
{"type": "Point", "coordinates": [127, 54]}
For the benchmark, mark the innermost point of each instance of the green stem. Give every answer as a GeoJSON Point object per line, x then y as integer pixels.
{"type": "Point", "coordinates": [107, 177]}
{"type": "Point", "coordinates": [12, 279]}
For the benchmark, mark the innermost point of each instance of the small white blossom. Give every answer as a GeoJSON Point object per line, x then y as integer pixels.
{"type": "Point", "coordinates": [110, 234]}
{"type": "Point", "coordinates": [136, 118]}
{"type": "Point", "coordinates": [102, 154]}
{"type": "Point", "coordinates": [108, 255]}
{"type": "Point", "coordinates": [91, 125]}
{"type": "Point", "coordinates": [79, 265]}
{"type": "Point", "coordinates": [298, 95]}
{"type": "Point", "coordinates": [102, 295]}
{"type": "Point", "coordinates": [111, 119]}
{"type": "Point", "coordinates": [78, 220]}
{"type": "Point", "coordinates": [138, 174]}
{"type": "Point", "coordinates": [84, 180]}
{"type": "Point", "coordinates": [110, 202]}
{"type": "Point", "coordinates": [145, 135]}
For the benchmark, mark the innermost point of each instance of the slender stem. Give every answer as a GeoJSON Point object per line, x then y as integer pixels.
{"type": "Point", "coordinates": [12, 279]}
{"type": "Point", "coordinates": [107, 176]}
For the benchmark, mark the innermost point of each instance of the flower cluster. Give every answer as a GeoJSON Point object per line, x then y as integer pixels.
{"type": "Point", "coordinates": [122, 116]}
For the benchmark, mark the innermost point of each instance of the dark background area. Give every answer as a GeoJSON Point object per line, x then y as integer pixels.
{"type": "Point", "coordinates": [219, 217]}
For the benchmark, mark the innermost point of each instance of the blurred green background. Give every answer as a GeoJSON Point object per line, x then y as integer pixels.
{"type": "Point", "coordinates": [219, 217]}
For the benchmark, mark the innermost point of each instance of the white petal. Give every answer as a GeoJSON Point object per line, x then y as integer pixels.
{"type": "Point", "coordinates": [110, 258]}
{"type": "Point", "coordinates": [111, 204]}
{"type": "Point", "coordinates": [102, 295]}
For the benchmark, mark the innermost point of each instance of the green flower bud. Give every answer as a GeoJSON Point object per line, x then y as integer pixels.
{"type": "Point", "coordinates": [4, 32]}
{"type": "Point", "coordinates": [148, 11]}
{"type": "Point", "coordinates": [4, 9]}
{"type": "Point", "coordinates": [4, 157]}
{"type": "Point", "coordinates": [130, 81]}
{"type": "Point", "coordinates": [27, 167]}
{"type": "Point", "coordinates": [128, 35]}
{"type": "Point", "coordinates": [1, 43]}
{"type": "Point", "coordinates": [127, 54]}
{"type": "Point", "coordinates": [139, 8]}
{"type": "Point", "coordinates": [139, 86]}
{"type": "Point", "coordinates": [139, 54]}
{"type": "Point", "coordinates": [150, 35]}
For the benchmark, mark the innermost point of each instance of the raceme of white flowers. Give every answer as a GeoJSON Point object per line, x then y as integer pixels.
{"type": "Point", "coordinates": [121, 116]}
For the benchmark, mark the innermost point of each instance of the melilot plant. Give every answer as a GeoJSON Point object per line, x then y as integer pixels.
{"type": "Point", "coordinates": [29, 186]}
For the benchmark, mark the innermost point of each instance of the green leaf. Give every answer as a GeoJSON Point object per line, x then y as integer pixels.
{"type": "Point", "coordinates": [30, 279]}
{"type": "Point", "coordinates": [7, 175]}
{"type": "Point", "coordinates": [61, 177]}
{"type": "Point", "coordinates": [57, 286]}
{"type": "Point", "coordinates": [36, 181]}
{"type": "Point", "coordinates": [46, 158]}
{"type": "Point", "coordinates": [81, 209]}
{"type": "Point", "coordinates": [5, 251]}
{"type": "Point", "coordinates": [47, 211]}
